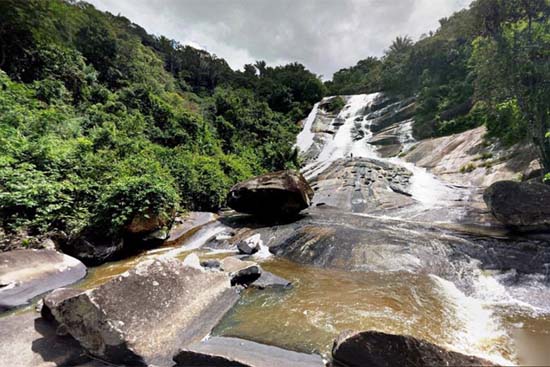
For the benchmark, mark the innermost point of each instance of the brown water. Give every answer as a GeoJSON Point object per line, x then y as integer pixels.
{"type": "Point", "coordinates": [323, 303]}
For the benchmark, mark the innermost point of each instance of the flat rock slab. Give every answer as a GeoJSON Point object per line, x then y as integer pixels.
{"type": "Point", "coordinates": [269, 280]}
{"type": "Point", "coordinates": [25, 274]}
{"type": "Point", "coordinates": [144, 316]}
{"type": "Point", "coordinates": [27, 340]}
{"type": "Point", "coordinates": [233, 352]}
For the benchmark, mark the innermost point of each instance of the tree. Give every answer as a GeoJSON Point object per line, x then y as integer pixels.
{"type": "Point", "coordinates": [512, 61]}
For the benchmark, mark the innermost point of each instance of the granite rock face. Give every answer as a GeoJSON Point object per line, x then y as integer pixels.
{"type": "Point", "coordinates": [144, 315]}
{"type": "Point", "coordinates": [25, 274]}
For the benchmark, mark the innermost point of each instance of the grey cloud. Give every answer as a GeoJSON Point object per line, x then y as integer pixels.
{"type": "Point", "coordinates": [325, 35]}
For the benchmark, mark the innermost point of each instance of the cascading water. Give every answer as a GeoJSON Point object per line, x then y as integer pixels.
{"type": "Point", "coordinates": [425, 188]}
{"type": "Point", "coordinates": [452, 302]}
{"type": "Point", "coordinates": [478, 308]}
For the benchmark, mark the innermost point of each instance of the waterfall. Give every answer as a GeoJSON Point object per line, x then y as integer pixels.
{"type": "Point", "coordinates": [304, 140]}
{"type": "Point", "coordinates": [476, 298]}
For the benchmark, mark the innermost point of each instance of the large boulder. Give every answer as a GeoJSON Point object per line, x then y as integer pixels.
{"type": "Point", "coordinates": [25, 274]}
{"type": "Point", "coordinates": [148, 222]}
{"type": "Point", "coordinates": [145, 315]}
{"type": "Point", "coordinates": [93, 249]}
{"type": "Point", "coordinates": [376, 349]}
{"type": "Point", "coordinates": [523, 206]}
{"type": "Point", "coordinates": [233, 352]}
{"type": "Point", "coordinates": [277, 194]}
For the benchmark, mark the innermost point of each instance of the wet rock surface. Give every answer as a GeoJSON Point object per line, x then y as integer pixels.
{"type": "Point", "coordinates": [25, 274]}
{"type": "Point", "coordinates": [465, 159]}
{"type": "Point", "coordinates": [184, 226]}
{"type": "Point", "coordinates": [375, 349]}
{"type": "Point", "coordinates": [328, 237]}
{"type": "Point", "coordinates": [362, 185]}
{"type": "Point", "coordinates": [392, 113]}
{"type": "Point", "coordinates": [233, 352]}
{"type": "Point", "coordinates": [277, 194]}
{"type": "Point", "coordinates": [144, 315]}
{"type": "Point", "coordinates": [269, 280]}
{"type": "Point", "coordinates": [241, 272]}
{"type": "Point", "coordinates": [522, 206]}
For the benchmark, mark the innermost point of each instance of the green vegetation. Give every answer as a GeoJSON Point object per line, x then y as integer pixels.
{"type": "Point", "coordinates": [468, 168]}
{"type": "Point", "coordinates": [334, 105]}
{"type": "Point", "coordinates": [489, 64]}
{"type": "Point", "coordinates": [100, 121]}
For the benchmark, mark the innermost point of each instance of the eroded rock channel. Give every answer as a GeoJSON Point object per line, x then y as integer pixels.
{"type": "Point", "coordinates": [399, 249]}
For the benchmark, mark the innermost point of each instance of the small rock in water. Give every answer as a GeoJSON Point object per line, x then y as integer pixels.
{"type": "Point", "coordinates": [250, 245]}
{"type": "Point", "coordinates": [211, 264]}
{"type": "Point", "coordinates": [241, 272]}
{"type": "Point", "coordinates": [270, 280]}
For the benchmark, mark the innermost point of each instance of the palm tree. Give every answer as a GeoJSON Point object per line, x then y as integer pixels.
{"type": "Point", "coordinates": [401, 44]}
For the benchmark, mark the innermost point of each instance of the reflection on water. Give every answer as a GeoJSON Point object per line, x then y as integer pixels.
{"type": "Point", "coordinates": [325, 302]}
{"type": "Point", "coordinates": [532, 339]}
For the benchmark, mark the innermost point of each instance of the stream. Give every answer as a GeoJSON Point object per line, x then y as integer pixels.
{"type": "Point", "coordinates": [503, 316]}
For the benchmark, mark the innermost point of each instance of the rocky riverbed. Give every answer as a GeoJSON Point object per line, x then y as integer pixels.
{"type": "Point", "coordinates": [396, 238]}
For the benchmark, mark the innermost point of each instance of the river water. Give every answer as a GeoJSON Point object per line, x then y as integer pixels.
{"type": "Point", "coordinates": [502, 316]}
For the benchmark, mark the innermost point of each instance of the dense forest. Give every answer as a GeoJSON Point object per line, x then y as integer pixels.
{"type": "Point", "coordinates": [100, 121]}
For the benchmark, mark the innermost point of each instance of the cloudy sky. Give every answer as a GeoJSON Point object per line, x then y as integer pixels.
{"type": "Point", "coordinates": [324, 35]}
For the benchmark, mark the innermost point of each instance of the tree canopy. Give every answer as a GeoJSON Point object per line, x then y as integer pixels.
{"type": "Point", "coordinates": [100, 121]}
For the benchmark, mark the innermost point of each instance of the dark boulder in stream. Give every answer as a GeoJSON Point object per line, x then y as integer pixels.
{"type": "Point", "coordinates": [523, 206]}
{"type": "Point", "coordinates": [93, 249]}
{"type": "Point", "coordinates": [233, 352]}
{"type": "Point", "coordinates": [376, 349]}
{"type": "Point", "coordinates": [269, 280]}
{"type": "Point", "coordinates": [145, 315]}
{"type": "Point", "coordinates": [25, 274]}
{"type": "Point", "coordinates": [275, 194]}
{"type": "Point", "coordinates": [241, 272]}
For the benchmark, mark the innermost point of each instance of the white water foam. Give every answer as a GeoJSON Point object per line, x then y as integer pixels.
{"type": "Point", "coordinates": [425, 188]}
{"type": "Point", "coordinates": [480, 331]}
{"type": "Point", "coordinates": [305, 138]}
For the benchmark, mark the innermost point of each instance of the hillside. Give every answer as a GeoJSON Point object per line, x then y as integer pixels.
{"type": "Point", "coordinates": [101, 121]}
